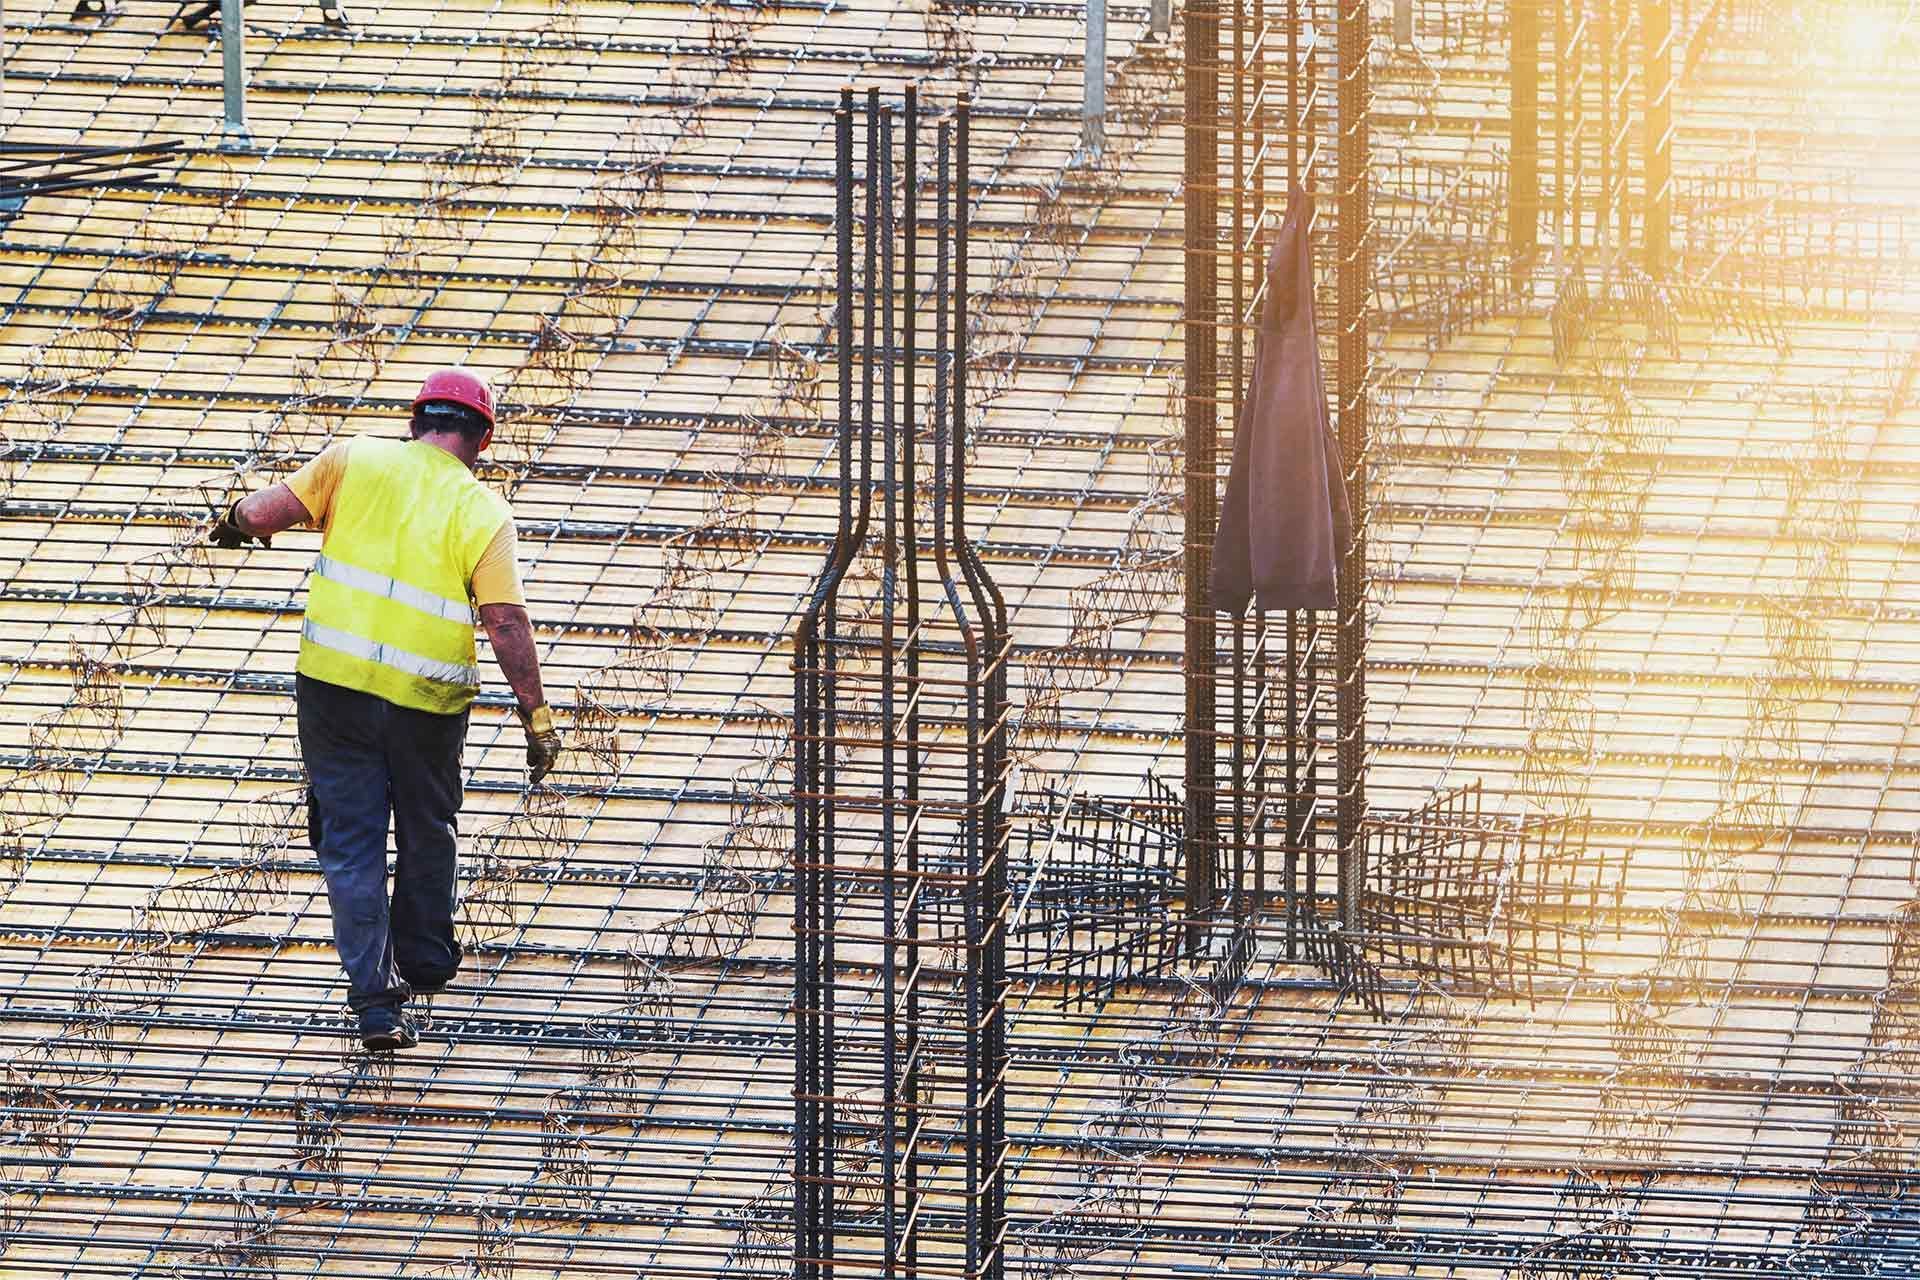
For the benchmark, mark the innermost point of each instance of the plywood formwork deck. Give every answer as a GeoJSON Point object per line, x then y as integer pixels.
{"type": "Point", "coordinates": [639, 256]}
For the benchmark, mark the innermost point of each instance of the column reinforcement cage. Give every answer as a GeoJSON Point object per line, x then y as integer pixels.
{"type": "Point", "coordinates": [900, 737]}
{"type": "Point", "coordinates": [1286, 694]}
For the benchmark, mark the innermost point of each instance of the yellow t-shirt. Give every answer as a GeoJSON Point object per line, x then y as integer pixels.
{"type": "Point", "coordinates": [496, 578]}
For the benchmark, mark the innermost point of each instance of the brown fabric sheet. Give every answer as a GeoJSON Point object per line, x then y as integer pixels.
{"type": "Point", "coordinates": [1285, 519]}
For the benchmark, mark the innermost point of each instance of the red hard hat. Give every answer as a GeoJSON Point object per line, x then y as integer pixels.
{"type": "Point", "coordinates": [458, 386]}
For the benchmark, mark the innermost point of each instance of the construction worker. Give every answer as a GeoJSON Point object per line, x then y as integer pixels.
{"type": "Point", "coordinates": [411, 542]}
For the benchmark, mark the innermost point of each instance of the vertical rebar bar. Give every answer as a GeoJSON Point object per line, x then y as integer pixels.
{"type": "Point", "coordinates": [942, 369]}
{"type": "Point", "coordinates": [1294, 123]}
{"type": "Point", "coordinates": [943, 425]}
{"type": "Point", "coordinates": [976, 1073]}
{"type": "Point", "coordinates": [1290, 869]}
{"type": "Point", "coordinates": [1260, 129]}
{"type": "Point", "coordinates": [830, 887]}
{"type": "Point", "coordinates": [1523, 182]}
{"type": "Point", "coordinates": [1603, 214]}
{"type": "Point", "coordinates": [1355, 276]}
{"type": "Point", "coordinates": [987, 732]}
{"type": "Point", "coordinates": [1313, 658]}
{"type": "Point", "coordinates": [1559, 125]}
{"type": "Point", "coordinates": [823, 887]}
{"type": "Point", "coordinates": [889, 730]}
{"type": "Point", "coordinates": [1236, 385]}
{"type": "Point", "coordinates": [1569, 120]}
{"type": "Point", "coordinates": [814, 818]}
{"type": "Point", "coordinates": [1656, 35]}
{"type": "Point", "coordinates": [1621, 140]}
{"type": "Point", "coordinates": [909, 485]}
{"type": "Point", "coordinates": [1201, 236]}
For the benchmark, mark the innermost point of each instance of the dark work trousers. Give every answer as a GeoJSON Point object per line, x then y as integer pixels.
{"type": "Point", "coordinates": [368, 759]}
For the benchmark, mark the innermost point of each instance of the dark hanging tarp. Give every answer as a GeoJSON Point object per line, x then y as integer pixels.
{"type": "Point", "coordinates": [1285, 515]}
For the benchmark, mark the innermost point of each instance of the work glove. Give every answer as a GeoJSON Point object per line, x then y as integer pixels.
{"type": "Point", "coordinates": [229, 536]}
{"type": "Point", "coordinates": [543, 740]}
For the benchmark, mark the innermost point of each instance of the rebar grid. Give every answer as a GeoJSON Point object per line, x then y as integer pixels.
{"type": "Point", "coordinates": [645, 269]}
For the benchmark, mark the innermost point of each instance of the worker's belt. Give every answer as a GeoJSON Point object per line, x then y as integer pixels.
{"type": "Point", "coordinates": [387, 655]}
{"type": "Point", "coordinates": [379, 584]}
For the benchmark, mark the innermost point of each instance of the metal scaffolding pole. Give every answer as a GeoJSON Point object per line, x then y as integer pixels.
{"type": "Point", "coordinates": [1093, 107]}
{"type": "Point", "coordinates": [233, 39]}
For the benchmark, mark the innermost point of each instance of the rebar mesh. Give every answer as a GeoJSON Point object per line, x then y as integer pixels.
{"type": "Point", "coordinates": [1638, 575]}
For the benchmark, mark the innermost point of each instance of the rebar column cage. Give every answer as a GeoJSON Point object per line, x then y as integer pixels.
{"type": "Point", "coordinates": [1592, 130]}
{"type": "Point", "coordinates": [1276, 705]}
{"type": "Point", "coordinates": [900, 737]}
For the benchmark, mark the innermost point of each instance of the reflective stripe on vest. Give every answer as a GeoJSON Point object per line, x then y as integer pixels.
{"type": "Point", "coordinates": [387, 655]}
{"type": "Point", "coordinates": [378, 584]}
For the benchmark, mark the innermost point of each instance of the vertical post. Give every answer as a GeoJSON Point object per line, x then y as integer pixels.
{"type": "Point", "coordinates": [910, 569]}
{"type": "Point", "coordinates": [1403, 23]}
{"type": "Point", "coordinates": [1355, 286]}
{"type": "Point", "coordinates": [1236, 380]}
{"type": "Point", "coordinates": [846, 542]}
{"type": "Point", "coordinates": [233, 50]}
{"type": "Point", "coordinates": [981, 1078]}
{"type": "Point", "coordinates": [1260, 125]}
{"type": "Point", "coordinates": [1656, 34]}
{"type": "Point", "coordinates": [889, 730]}
{"type": "Point", "coordinates": [1295, 809]}
{"type": "Point", "coordinates": [1093, 110]}
{"type": "Point", "coordinates": [1523, 177]}
{"type": "Point", "coordinates": [1295, 125]}
{"type": "Point", "coordinates": [1201, 244]}
{"type": "Point", "coordinates": [1159, 21]}
{"type": "Point", "coordinates": [1560, 90]}
{"type": "Point", "coordinates": [1623, 127]}
{"type": "Point", "coordinates": [1603, 215]}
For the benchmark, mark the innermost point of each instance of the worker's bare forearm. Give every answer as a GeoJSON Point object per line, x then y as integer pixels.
{"type": "Point", "coordinates": [511, 632]}
{"type": "Point", "coordinates": [270, 511]}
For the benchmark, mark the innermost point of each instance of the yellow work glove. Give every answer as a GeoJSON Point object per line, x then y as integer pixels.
{"type": "Point", "coordinates": [543, 740]}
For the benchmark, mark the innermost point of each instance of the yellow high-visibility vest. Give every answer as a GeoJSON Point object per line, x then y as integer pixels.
{"type": "Point", "coordinates": [389, 609]}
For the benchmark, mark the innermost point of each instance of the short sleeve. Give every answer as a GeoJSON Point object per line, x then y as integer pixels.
{"type": "Point", "coordinates": [315, 483]}
{"type": "Point", "coordinates": [496, 578]}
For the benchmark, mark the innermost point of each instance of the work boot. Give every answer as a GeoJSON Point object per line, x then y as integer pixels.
{"type": "Point", "coordinates": [385, 1028]}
